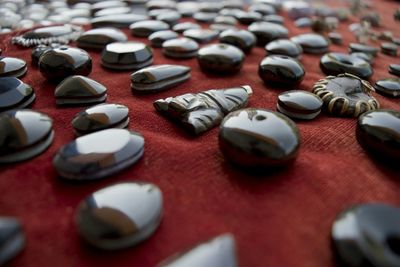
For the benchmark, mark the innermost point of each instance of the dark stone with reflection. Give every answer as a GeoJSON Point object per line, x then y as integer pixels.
{"type": "Point", "coordinates": [388, 87]}
{"type": "Point", "coordinates": [39, 50]}
{"type": "Point", "coordinates": [394, 69]}
{"type": "Point", "coordinates": [205, 17]}
{"type": "Point", "coordinates": [367, 57]}
{"type": "Point", "coordinates": [298, 104]}
{"type": "Point", "coordinates": [355, 47]}
{"type": "Point", "coordinates": [201, 35]}
{"type": "Point", "coordinates": [180, 48]}
{"type": "Point", "coordinates": [181, 27]}
{"type": "Point", "coordinates": [281, 70]}
{"type": "Point", "coordinates": [247, 18]}
{"type": "Point", "coordinates": [389, 49]}
{"type": "Point", "coordinates": [99, 38]}
{"type": "Point", "coordinates": [284, 47]}
{"type": "Point", "coordinates": [146, 27]}
{"type": "Point", "coordinates": [12, 67]}
{"type": "Point", "coordinates": [220, 58]}
{"type": "Point", "coordinates": [12, 239]}
{"type": "Point", "coordinates": [120, 21]}
{"type": "Point", "coordinates": [274, 19]}
{"type": "Point", "coordinates": [312, 43]}
{"type": "Point", "coordinates": [15, 94]}
{"type": "Point", "coordinates": [337, 63]}
{"type": "Point", "coordinates": [158, 38]}
{"type": "Point", "coordinates": [242, 39]}
{"type": "Point", "coordinates": [171, 18]}
{"type": "Point", "coordinates": [259, 138]}
{"type": "Point", "coordinates": [120, 215]}
{"type": "Point", "coordinates": [267, 32]}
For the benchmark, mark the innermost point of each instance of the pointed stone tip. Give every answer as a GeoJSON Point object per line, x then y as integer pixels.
{"type": "Point", "coordinates": [248, 89]}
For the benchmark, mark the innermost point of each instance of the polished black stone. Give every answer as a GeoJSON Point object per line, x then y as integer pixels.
{"type": "Point", "coordinates": [95, 7]}
{"type": "Point", "coordinates": [99, 38]}
{"type": "Point", "coordinates": [159, 77]}
{"type": "Point", "coordinates": [262, 9]}
{"type": "Point", "coordinates": [299, 104]}
{"type": "Point", "coordinates": [24, 134]}
{"type": "Point", "coordinates": [355, 47]}
{"type": "Point", "coordinates": [267, 32]}
{"type": "Point", "coordinates": [312, 43]}
{"type": "Point", "coordinates": [394, 69]}
{"type": "Point", "coordinates": [187, 8]}
{"type": "Point", "coordinates": [120, 21]}
{"type": "Point", "coordinates": [303, 23]}
{"type": "Point", "coordinates": [284, 47]}
{"type": "Point", "coordinates": [205, 17]}
{"type": "Point", "coordinates": [12, 239]}
{"type": "Point", "coordinates": [79, 90]}
{"type": "Point", "coordinates": [202, 111]}
{"type": "Point", "coordinates": [85, 159]}
{"type": "Point", "coordinates": [210, 6]}
{"type": "Point", "coordinates": [367, 235]}
{"type": "Point", "coordinates": [12, 67]}
{"type": "Point", "coordinates": [155, 12]}
{"type": "Point", "coordinates": [158, 38]}
{"type": "Point", "coordinates": [336, 63]}
{"type": "Point", "coordinates": [220, 58]}
{"type": "Point", "coordinates": [201, 35]}
{"type": "Point", "coordinates": [336, 38]}
{"type": "Point", "coordinates": [274, 19]}
{"type": "Point", "coordinates": [281, 70]}
{"type": "Point", "coordinates": [367, 57]}
{"type": "Point", "coordinates": [128, 55]}
{"type": "Point", "coordinates": [15, 94]}
{"type": "Point", "coordinates": [258, 138]}
{"type": "Point", "coordinates": [345, 95]}
{"type": "Point", "coordinates": [181, 27]}
{"type": "Point", "coordinates": [388, 87]}
{"type": "Point", "coordinates": [221, 27]}
{"type": "Point", "coordinates": [38, 51]}
{"type": "Point", "coordinates": [171, 18]}
{"type": "Point", "coordinates": [242, 39]}
{"type": "Point", "coordinates": [389, 49]}
{"type": "Point", "coordinates": [59, 63]}
{"type": "Point", "coordinates": [161, 4]}
{"type": "Point", "coordinates": [228, 20]}
{"type": "Point", "coordinates": [120, 215]}
{"type": "Point", "coordinates": [113, 11]}
{"type": "Point", "coordinates": [100, 117]}
{"type": "Point", "coordinates": [180, 48]}
{"type": "Point", "coordinates": [217, 252]}
{"type": "Point", "coordinates": [247, 18]}
{"type": "Point", "coordinates": [146, 27]}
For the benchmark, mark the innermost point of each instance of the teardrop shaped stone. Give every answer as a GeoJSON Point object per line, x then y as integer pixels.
{"type": "Point", "coordinates": [217, 252]}
{"type": "Point", "coordinates": [158, 38]}
{"type": "Point", "coordinates": [12, 67]}
{"type": "Point", "coordinates": [388, 87]}
{"type": "Point", "coordinates": [24, 134]}
{"type": "Point", "coordinates": [84, 159]}
{"type": "Point", "coordinates": [120, 215]}
{"type": "Point", "coordinates": [100, 117]}
{"type": "Point", "coordinates": [120, 21]}
{"type": "Point", "coordinates": [12, 238]}
{"type": "Point", "coordinates": [99, 38]}
{"type": "Point", "coordinates": [79, 90]}
{"type": "Point", "coordinates": [312, 43]}
{"type": "Point", "coordinates": [15, 94]}
{"type": "Point", "coordinates": [146, 27]}
{"type": "Point", "coordinates": [267, 32]}
{"type": "Point", "coordinates": [159, 77]}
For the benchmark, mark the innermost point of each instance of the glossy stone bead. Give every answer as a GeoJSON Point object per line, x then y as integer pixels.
{"type": "Point", "coordinates": [171, 18]}
{"type": "Point", "coordinates": [299, 104]}
{"type": "Point", "coordinates": [59, 63]}
{"type": "Point", "coordinates": [303, 23]}
{"type": "Point", "coordinates": [258, 138]}
{"type": "Point", "coordinates": [355, 47]}
{"type": "Point", "coordinates": [267, 32]}
{"type": "Point", "coordinates": [247, 18]}
{"type": "Point", "coordinates": [38, 51]}
{"type": "Point", "coordinates": [242, 39]}
{"type": "Point", "coordinates": [180, 48]}
{"type": "Point", "coordinates": [201, 35]}
{"type": "Point", "coordinates": [99, 38]}
{"type": "Point", "coordinates": [389, 49]}
{"type": "Point", "coordinates": [155, 12]}
{"type": "Point", "coordinates": [205, 17]}
{"type": "Point", "coordinates": [336, 38]}
{"type": "Point", "coordinates": [12, 67]}
{"type": "Point", "coordinates": [312, 43]}
{"type": "Point", "coordinates": [367, 235]}
{"type": "Point", "coordinates": [106, 4]}
{"type": "Point", "coordinates": [281, 70]}
{"type": "Point", "coordinates": [79, 90]}
{"type": "Point", "coordinates": [183, 26]}
{"type": "Point", "coordinates": [24, 134]}
{"type": "Point", "coordinates": [336, 63]}
{"type": "Point", "coordinates": [159, 77]}
{"type": "Point", "coordinates": [229, 20]}
{"type": "Point", "coordinates": [158, 38]}
{"type": "Point", "coordinates": [274, 19]}
{"type": "Point", "coordinates": [12, 239]}
{"type": "Point", "coordinates": [217, 252]}
{"type": "Point", "coordinates": [113, 11]}
{"type": "Point", "coordinates": [146, 27]}
{"type": "Point", "coordinates": [126, 56]}
{"type": "Point", "coordinates": [120, 215]}
{"type": "Point", "coordinates": [221, 27]}
{"type": "Point", "coordinates": [220, 58]}
{"type": "Point", "coordinates": [15, 94]}
{"type": "Point", "coordinates": [284, 47]}
{"type": "Point", "coordinates": [120, 21]}
{"type": "Point", "coordinates": [263, 9]}
{"type": "Point", "coordinates": [84, 159]}
{"type": "Point", "coordinates": [388, 87]}
{"type": "Point", "coordinates": [394, 69]}
{"type": "Point", "coordinates": [367, 57]}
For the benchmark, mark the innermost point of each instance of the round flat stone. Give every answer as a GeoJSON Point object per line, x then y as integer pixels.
{"type": "Point", "coordinates": [367, 57]}
{"type": "Point", "coordinates": [24, 134]}
{"type": "Point", "coordinates": [205, 17]}
{"type": "Point", "coordinates": [100, 117]}
{"type": "Point", "coordinates": [367, 235]}
{"type": "Point", "coordinates": [183, 26]}
{"type": "Point", "coordinates": [12, 238]}
{"type": "Point", "coordinates": [146, 27]}
{"type": "Point", "coordinates": [84, 159]}
{"type": "Point", "coordinates": [120, 215]}
{"type": "Point", "coordinates": [59, 63]}
{"type": "Point", "coordinates": [12, 67]}
{"type": "Point", "coordinates": [221, 27]}
{"type": "Point", "coordinates": [274, 19]}
{"type": "Point", "coordinates": [247, 18]}
{"type": "Point", "coordinates": [220, 58]}
{"type": "Point", "coordinates": [126, 56]}
{"type": "Point", "coordinates": [15, 94]}
{"type": "Point", "coordinates": [242, 39]}
{"type": "Point", "coordinates": [180, 48]}
{"type": "Point", "coordinates": [355, 47]}
{"type": "Point", "coordinates": [281, 70]}
{"type": "Point", "coordinates": [263, 9]}
{"type": "Point", "coordinates": [336, 38]}
{"type": "Point", "coordinates": [99, 38]}
{"type": "Point", "coordinates": [312, 43]}
{"type": "Point", "coordinates": [158, 38]}
{"type": "Point", "coordinates": [170, 18]}
{"type": "Point", "coordinates": [120, 21]}
{"type": "Point", "coordinates": [267, 32]}
{"type": "Point", "coordinates": [228, 20]}
{"type": "Point", "coordinates": [394, 69]}
{"type": "Point", "coordinates": [258, 138]}
{"type": "Point", "coordinates": [303, 22]}
{"type": "Point", "coordinates": [336, 63]}
{"type": "Point", "coordinates": [155, 12]}
{"type": "Point", "coordinates": [284, 47]}
{"type": "Point", "coordinates": [299, 104]}
{"type": "Point", "coordinates": [201, 35]}
{"type": "Point", "coordinates": [388, 87]}
{"type": "Point", "coordinates": [113, 11]}
{"type": "Point", "coordinates": [389, 49]}
{"type": "Point", "coordinates": [159, 77]}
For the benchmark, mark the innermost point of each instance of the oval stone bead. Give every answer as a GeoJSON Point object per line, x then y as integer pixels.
{"type": "Point", "coordinates": [205, 17]}
{"type": "Point", "coordinates": [59, 63]}
{"type": "Point", "coordinates": [394, 69]}
{"type": "Point", "coordinates": [84, 159]}
{"type": "Point", "coordinates": [39, 50]}
{"type": "Point", "coordinates": [297, 104]}
{"type": "Point", "coordinates": [120, 215]}
{"type": "Point", "coordinates": [389, 49]}
{"type": "Point", "coordinates": [100, 117]}
{"type": "Point", "coordinates": [337, 63]}
{"type": "Point", "coordinates": [146, 27]}
{"type": "Point", "coordinates": [15, 94]}
{"type": "Point", "coordinates": [284, 47]}
{"type": "Point", "coordinates": [12, 67]}
{"type": "Point", "coordinates": [159, 77]}
{"type": "Point", "coordinates": [180, 48]}
{"type": "Point", "coordinates": [158, 38]}
{"type": "Point", "coordinates": [388, 87]}
{"type": "Point", "coordinates": [258, 138]}
{"type": "Point", "coordinates": [183, 26]}
{"type": "Point", "coordinates": [12, 238]}
{"type": "Point", "coordinates": [220, 58]}
{"type": "Point", "coordinates": [24, 134]}
{"type": "Point", "coordinates": [242, 39]}
{"type": "Point", "coordinates": [312, 43]}
{"type": "Point", "coordinates": [281, 70]}
{"type": "Point", "coordinates": [120, 21]}
{"type": "Point", "coordinates": [99, 38]}
{"type": "Point", "coordinates": [355, 47]}
{"type": "Point", "coordinates": [201, 35]}
{"type": "Point", "coordinates": [267, 32]}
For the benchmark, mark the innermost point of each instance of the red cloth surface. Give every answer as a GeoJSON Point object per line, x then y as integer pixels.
{"type": "Point", "coordinates": [279, 219]}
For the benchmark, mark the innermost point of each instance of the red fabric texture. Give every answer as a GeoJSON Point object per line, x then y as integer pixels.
{"type": "Point", "coordinates": [278, 219]}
